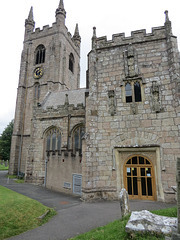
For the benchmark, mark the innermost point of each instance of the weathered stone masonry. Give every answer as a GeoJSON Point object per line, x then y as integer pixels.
{"type": "Point", "coordinates": [36, 110]}
{"type": "Point", "coordinates": [118, 129]}
{"type": "Point", "coordinates": [122, 131]}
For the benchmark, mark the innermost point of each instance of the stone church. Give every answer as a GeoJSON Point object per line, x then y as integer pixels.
{"type": "Point", "coordinates": [121, 131]}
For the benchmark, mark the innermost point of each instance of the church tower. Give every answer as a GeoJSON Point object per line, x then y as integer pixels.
{"type": "Point", "coordinates": [50, 62]}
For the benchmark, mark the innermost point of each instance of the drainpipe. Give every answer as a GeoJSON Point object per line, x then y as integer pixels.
{"type": "Point", "coordinates": [45, 177]}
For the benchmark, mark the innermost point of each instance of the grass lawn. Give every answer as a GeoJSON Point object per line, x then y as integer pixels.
{"type": "Point", "coordinates": [19, 213]}
{"type": "Point", "coordinates": [116, 229]}
{"type": "Point", "coordinates": [2, 167]}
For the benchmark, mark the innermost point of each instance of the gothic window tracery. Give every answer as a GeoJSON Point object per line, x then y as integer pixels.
{"type": "Point", "coordinates": [40, 54]}
{"type": "Point", "coordinates": [53, 140]}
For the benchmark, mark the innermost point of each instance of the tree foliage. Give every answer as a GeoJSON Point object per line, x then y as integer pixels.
{"type": "Point", "coordinates": [5, 141]}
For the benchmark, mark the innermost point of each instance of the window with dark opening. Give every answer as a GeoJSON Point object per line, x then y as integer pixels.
{"type": "Point", "coordinates": [137, 92]}
{"type": "Point", "coordinates": [71, 62]}
{"type": "Point", "coordinates": [40, 54]}
{"type": "Point", "coordinates": [133, 92]}
{"type": "Point", "coordinates": [128, 90]}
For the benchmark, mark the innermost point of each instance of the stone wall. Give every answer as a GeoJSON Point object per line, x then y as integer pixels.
{"type": "Point", "coordinates": [112, 123]}
{"type": "Point", "coordinates": [60, 165]}
{"type": "Point", "coordinates": [59, 44]}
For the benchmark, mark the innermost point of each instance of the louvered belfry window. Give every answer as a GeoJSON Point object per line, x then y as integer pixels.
{"type": "Point", "coordinates": [40, 54]}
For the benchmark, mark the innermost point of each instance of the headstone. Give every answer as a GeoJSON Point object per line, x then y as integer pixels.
{"type": "Point", "coordinates": [147, 222]}
{"type": "Point", "coordinates": [176, 235]}
{"type": "Point", "coordinates": [124, 202]}
{"type": "Point", "coordinates": [6, 163]}
{"type": "Point", "coordinates": [2, 162]}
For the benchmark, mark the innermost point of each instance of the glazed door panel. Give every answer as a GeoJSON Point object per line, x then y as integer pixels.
{"type": "Point", "coordinates": [139, 178]}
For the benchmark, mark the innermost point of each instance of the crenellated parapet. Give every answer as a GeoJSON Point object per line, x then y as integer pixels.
{"type": "Point", "coordinates": [57, 27]}
{"type": "Point", "coordinates": [60, 111]}
{"type": "Point", "coordinates": [138, 36]}
{"type": "Point", "coordinates": [48, 30]}
{"type": "Point", "coordinates": [65, 154]}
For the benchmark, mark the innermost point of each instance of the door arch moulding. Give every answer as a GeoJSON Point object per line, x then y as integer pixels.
{"type": "Point", "coordinates": [121, 154]}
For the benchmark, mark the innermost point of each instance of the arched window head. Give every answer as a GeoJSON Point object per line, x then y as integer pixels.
{"type": "Point", "coordinates": [40, 54]}
{"type": "Point", "coordinates": [77, 135]}
{"type": "Point", "coordinates": [53, 141]}
{"type": "Point", "coordinates": [71, 62]}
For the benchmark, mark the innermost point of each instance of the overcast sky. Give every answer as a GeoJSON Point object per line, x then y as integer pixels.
{"type": "Point", "coordinates": [109, 17]}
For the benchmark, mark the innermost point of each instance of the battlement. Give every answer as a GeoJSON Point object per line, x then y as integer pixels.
{"type": "Point", "coordinates": [64, 154]}
{"type": "Point", "coordinates": [136, 36]}
{"type": "Point", "coordinates": [59, 111]}
{"type": "Point", "coordinates": [50, 30]}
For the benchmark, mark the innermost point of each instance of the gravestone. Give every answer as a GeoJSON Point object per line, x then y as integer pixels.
{"type": "Point", "coordinates": [124, 202]}
{"type": "Point", "coordinates": [176, 235]}
{"type": "Point", "coordinates": [147, 222]}
{"type": "Point", "coordinates": [6, 163]}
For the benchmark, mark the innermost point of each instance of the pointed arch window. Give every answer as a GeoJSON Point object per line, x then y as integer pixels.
{"type": "Point", "coordinates": [77, 135]}
{"type": "Point", "coordinates": [53, 141]}
{"type": "Point", "coordinates": [40, 53]}
{"type": "Point", "coordinates": [133, 92]}
{"type": "Point", "coordinates": [71, 62]}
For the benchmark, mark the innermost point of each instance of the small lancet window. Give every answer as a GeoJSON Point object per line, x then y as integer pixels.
{"type": "Point", "coordinates": [37, 91]}
{"type": "Point", "coordinates": [40, 54]}
{"type": "Point", "coordinates": [71, 62]}
{"type": "Point", "coordinates": [128, 90]}
{"type": "Point", "coordinates": [137, 92]}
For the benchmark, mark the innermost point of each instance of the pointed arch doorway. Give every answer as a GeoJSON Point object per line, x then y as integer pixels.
{"type": "Point", "coordinates": [139, 178]}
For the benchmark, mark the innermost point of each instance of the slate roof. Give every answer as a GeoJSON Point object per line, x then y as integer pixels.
{"type": "Point", "coordinates": [58, 98]}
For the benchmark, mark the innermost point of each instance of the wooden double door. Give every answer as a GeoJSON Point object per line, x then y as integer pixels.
{"type": "Point", "coordinates": [139, 178]}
